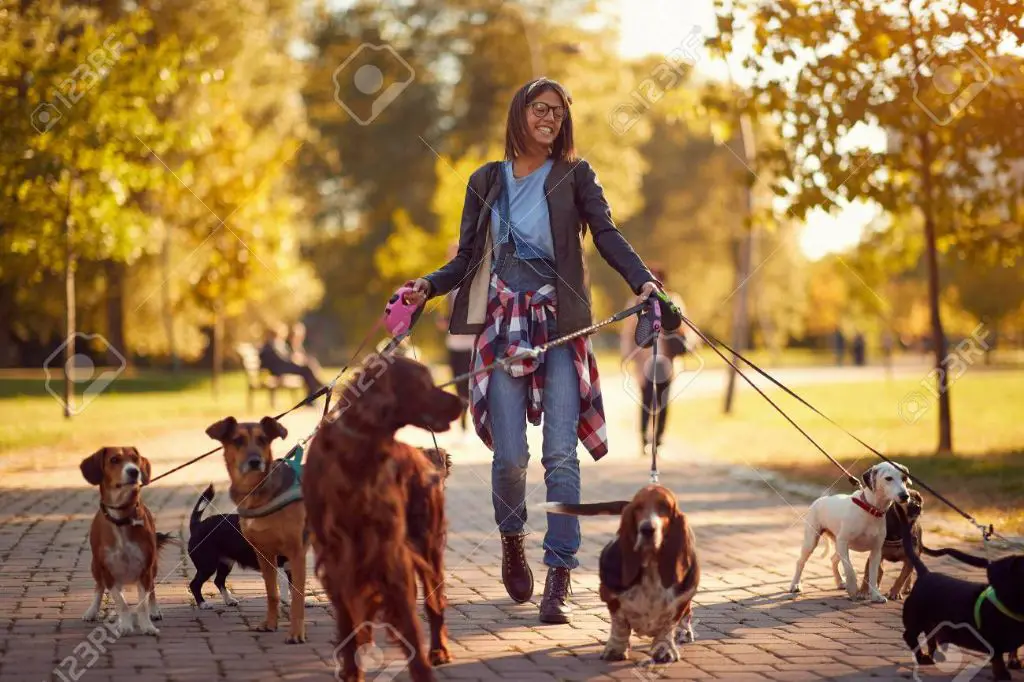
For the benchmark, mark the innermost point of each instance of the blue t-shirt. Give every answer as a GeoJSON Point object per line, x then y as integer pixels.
{"type": "Point", "coordinates": [525, 207]}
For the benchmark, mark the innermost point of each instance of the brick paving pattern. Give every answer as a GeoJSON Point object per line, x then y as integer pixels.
{"type": "Point", "coordinates": [748, 626]}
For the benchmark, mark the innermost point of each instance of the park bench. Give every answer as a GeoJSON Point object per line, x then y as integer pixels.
{"type": "Point", "coordinates": [258, 379]}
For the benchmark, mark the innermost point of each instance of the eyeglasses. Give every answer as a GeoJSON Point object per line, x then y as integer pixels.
{"type": "Point", "coordinates": [541, 109]}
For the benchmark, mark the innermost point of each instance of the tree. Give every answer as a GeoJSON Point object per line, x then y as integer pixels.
{"type": "Point", "coordinates": [76, 123]}
{"type": "Point", "coordinates": [917, 71]}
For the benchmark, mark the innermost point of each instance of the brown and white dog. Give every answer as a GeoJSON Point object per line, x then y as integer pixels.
{"type": "Point", "coordinates": [256, 480]}
{"type": "Point", "coordinates": [648, 574]}
{"type": "Point", "coordinates": [123, 537]}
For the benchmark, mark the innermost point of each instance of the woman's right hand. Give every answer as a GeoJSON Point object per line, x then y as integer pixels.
{"type": "Point", "coordinates": [420, 291]}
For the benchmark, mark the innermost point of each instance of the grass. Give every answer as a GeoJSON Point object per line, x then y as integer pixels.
{"type": "Point", "coordinates": [985, 474]}
{"type": "Point", "coordinates": [146, 402]}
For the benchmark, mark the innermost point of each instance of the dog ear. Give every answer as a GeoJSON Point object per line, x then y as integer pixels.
{"type": "Point", "coordinates": [145, 466]}
{"type": "Point", "coordinates": [675, 552]}
{"type": "Point", "coordinates": [1006, 576]}
{"type": "Point", "coordinates": [222, 429]}
{"type": "Point", "coordinates": [869, 479]}
{"type": "Point", "coordinates": [92, 467]}
{"type": "Point", "coordinates": [627, 542]}
{"type": "Point", "coordinates": [273, 428]}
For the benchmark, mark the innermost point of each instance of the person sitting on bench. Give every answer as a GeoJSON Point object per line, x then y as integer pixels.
{"type": "Point", "coordinates": [275, 357]}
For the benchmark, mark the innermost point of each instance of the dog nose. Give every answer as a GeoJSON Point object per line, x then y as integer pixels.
{"type": "Point", "coordinates": [647, 529]}
{"type": "Point", "coordinates": [132, 474]}
{"type": "Point", "coordinates": [904, 497]}
{"type": "Point", "coordinates": [253, 463]}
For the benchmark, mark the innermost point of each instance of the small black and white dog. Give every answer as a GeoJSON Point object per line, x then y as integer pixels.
{"type": "Point", "coordinates": [215, 546]}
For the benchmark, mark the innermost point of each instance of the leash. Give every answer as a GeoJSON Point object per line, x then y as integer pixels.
{"type": "Point", "coordinates": [533, 353]}
{"type": "Point", "coordinates": [327, 390]}
{"type": "Point", "coordinates": [656, 334]}
{"type": "Point", "coordinates": [987, 532]}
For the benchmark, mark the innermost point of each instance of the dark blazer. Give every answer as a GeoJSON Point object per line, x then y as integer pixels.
{"type": "Point", "coordinates": [575, 201]}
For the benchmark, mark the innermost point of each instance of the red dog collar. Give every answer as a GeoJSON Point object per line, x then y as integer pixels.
{"type": "Point", "coordinates": [874, 511]}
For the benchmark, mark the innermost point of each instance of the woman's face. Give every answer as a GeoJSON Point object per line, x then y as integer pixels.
{"type": "Point", "coordinates": [543, 128]}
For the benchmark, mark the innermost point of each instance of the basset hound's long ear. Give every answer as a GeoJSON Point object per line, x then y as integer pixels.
{"type": "Point", "coordinates": [145, 466]}
{"type": "Point", "coordinates": [92, 467]}
{"type": "Point", "coordinates": [222, 429]}
{"type": "Point", "coordinates": [676, 552]}
{"type": "Point", "coordinates": [627, 541]}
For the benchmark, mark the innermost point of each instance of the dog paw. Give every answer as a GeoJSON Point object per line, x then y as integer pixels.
{"type": "Point", "coordinates": [795, 588]}
{"type": "Point", "coordinates": [206, 606]}
{"type": "Point", "coordinates": [612, 653]}
{"type": "Point", "coordinates": [90, 615]}
{"type": "Point", "coordinates": [685, 636]}
{"type": "Point", "coordinates": [123, 627]}
{"type": "Point", "coordinates": [296, 638]}
{"type": "Point", "coordinates": [440, 657]}
{"type": "Point", "coordinates": [232, 601]}
{"type": "Point", "coordinates": [894, 595]}
{"type": "Point", "coordinates": [149, 629]}
{"type": "Point", "coordinates": [156, 614]}
{"type": "Point", "coordinates": [878, 599]}
{"type": "Point", "coordinates": [665, 652]}
{"type": "Point", "coordinates": [265, 627]}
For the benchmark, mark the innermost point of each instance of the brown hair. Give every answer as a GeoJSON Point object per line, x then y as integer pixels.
{"type": "Point", "coordinates": [563, 148]}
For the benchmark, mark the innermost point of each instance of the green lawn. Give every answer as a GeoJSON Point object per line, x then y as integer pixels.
{"type": "Point", "coordinates": [985, 475]}
{"type": "Point", "coordinates": [146, 402]}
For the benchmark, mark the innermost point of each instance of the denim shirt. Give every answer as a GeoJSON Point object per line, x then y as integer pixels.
{"type": "Point", "coordinates": [521, 214]}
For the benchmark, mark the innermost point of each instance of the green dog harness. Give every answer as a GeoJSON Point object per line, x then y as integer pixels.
{"type": "Point", "coordinates": [990, 594]}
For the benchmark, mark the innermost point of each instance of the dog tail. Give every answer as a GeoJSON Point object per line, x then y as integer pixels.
{"type": "Point", "coordinates": [908, 542]}
{"type": "Point", "coordinates": [589, 509]}
{"type": "Point", "coordinates": [163, 539]}
{"type": "Point", "coordinates": [201, 504]}
{"type": "Point", "coordinates": [969, 559]}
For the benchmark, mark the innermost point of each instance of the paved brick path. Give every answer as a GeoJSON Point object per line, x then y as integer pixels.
{"type": "Point", "coordinates": [748, 627]}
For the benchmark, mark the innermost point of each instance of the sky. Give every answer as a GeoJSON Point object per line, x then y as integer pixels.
{"type": "Point", "coordinates": [658, 26]}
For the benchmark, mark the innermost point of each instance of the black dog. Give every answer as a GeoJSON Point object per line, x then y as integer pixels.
{"type": "Point", "coordinates": [892, 550]}
{"type": "Point", "coordinates": [942, 608]}
{"type": "Point", "coordinates": [215, 545]}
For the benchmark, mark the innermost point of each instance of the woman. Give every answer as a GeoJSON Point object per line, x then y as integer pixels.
{"type": "Point", "coordinates": [522, 280]}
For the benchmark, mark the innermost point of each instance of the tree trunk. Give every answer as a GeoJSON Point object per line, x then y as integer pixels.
{"type": "Point", "coordinates": [115, 312]}
{"type": "Point", "coordinates": [69, 302]}
{"type": "Point", "coordinates": [938, 335]}
{"type": "Point", "coordinates": [166, 303]}
{"type": "Point", "coordinates": [218, 345]}
{"type": "Point", "coordinates": [745, 246]}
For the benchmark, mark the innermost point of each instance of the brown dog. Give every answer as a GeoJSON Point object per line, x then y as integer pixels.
{"type": "Point", "coordinates": [256, 480]}
{"type": "Point", "coordinates": [376, 509]}
{"type": "Point", "coordinates": [648, 574]}
{"type": "Point", "coordinates": [123, 537]}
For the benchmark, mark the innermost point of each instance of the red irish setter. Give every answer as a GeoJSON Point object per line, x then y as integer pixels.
{"type": "Point", "coordinates": [376, 510]}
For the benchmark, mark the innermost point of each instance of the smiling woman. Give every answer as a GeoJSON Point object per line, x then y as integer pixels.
{"type": "Point", "coordinates": [522, 280]}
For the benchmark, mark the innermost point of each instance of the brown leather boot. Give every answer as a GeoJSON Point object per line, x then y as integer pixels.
{"type": "Point", "coordinates": [515, 571]}
{"type": "Point", "coordinates": [557, 587]}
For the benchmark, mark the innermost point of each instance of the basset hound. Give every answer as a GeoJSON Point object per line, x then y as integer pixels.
{"type": "Point", "coordinates": [123, 537]}
{"type": "Point", "coordinates": [648, 574]}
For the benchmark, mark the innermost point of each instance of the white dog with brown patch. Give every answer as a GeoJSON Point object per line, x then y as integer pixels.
{"type": "Point", "coordinates": [855, 522]}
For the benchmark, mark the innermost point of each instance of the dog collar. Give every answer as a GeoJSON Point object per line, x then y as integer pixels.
{"type": "Point", "coordinates": [133, 519]}
{"type": "Point", "coordinates": [989, 594]}
{"type": "Point", "coordinates": [870, 509]}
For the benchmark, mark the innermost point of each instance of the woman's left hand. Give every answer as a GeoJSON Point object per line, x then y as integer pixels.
{"type": "Point", "coordinates": [647, 289]}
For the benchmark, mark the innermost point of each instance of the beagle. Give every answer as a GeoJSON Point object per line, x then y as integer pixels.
{"type": "Point", "coordinates": [648, 574]}
{"type": "Point", "coordinates": [855, 522]}
{"type": "Point", "coordinates": [257, 480]}
{"type": "Point", "coordinates": [123, 537]}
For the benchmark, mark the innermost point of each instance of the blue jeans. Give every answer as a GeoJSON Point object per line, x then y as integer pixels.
{"type": "Point", "coordinates": [507, 398]}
